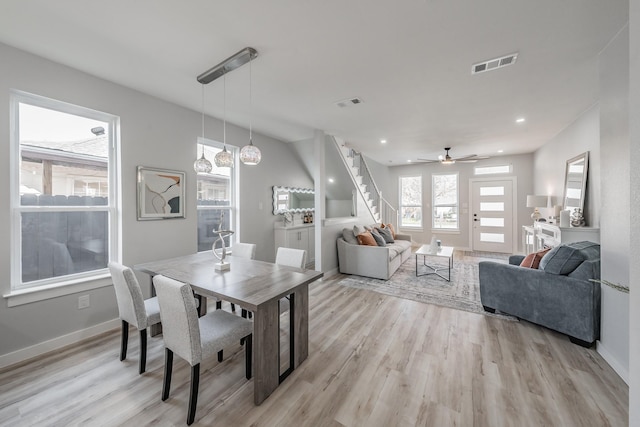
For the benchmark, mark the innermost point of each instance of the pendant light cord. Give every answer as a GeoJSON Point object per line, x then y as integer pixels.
{"type": "Point", "coordinates": [250, 104]}
{"type": "Point", "coordinates": [203, 119]}
{"type": "Point", "coordinates": [224, 117]}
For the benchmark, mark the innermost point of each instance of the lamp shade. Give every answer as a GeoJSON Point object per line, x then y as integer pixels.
{"type": "Point", "coordinates": [537, 201]}
{"type": "Point", "coordinates": [224, 159]}
{"type": "Point", "coordinates": [250, 154]}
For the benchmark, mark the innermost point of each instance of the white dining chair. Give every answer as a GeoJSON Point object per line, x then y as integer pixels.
{"type": "Point", "coordinates": [291, 257]}
{"type": "Point", "coordinates": [133, 309]}
{"type": "Point", "coordinates": [243, 250]}
{"type": "Point", "coordinates": [195, 339]}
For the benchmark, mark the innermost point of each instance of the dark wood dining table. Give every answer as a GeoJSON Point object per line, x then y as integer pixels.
{"type": "Point", "coordinates": [256, 286]}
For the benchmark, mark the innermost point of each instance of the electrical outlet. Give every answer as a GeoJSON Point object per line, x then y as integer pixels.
{"type": "Point", "coordinates": [83, 302]}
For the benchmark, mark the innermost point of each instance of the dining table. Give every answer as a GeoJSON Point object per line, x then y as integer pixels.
{"type": "Point", "coordinates": [256, 286]}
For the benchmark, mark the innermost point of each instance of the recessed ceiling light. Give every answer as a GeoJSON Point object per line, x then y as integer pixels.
{"type": "Point", "coordinates": [331, 180]}
{"type": "Point", "coordinates": [409, 161]}
{"type": "Point", "coordinates": [383, 141]}
{"type": "Point", "coordinates": [500, 151]}
{"type": "Point", "coordinates": [520, 120]}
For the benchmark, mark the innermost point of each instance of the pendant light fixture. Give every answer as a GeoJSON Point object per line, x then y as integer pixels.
{"type": "Point", "coordinates": [224, 159]}
{"type": "Point", "coordinates": [250, 154]}
{"type": "Point", "coordinates": [202, 165]}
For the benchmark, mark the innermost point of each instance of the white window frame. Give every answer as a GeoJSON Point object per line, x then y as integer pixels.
{"type": "Point", "coordinates": [490, 170]}
{"type": "Point", "coordinates": [22, 293]}
{"type": "Point", "coordinates": [400, 205]}
{"type": "Point", "coordinates": [234, 221]}
{"type": "Point", "coordinates": [445, 205]}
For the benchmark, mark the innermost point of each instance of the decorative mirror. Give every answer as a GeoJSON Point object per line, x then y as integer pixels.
{"type": "Point", "coordinates": [575, 182]}
{"type": "Point", "coordinates": [289, 199]}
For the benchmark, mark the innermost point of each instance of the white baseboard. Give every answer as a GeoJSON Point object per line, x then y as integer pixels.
{"type": "Point", "coordinates": [330, 273]}
{"type": "Point", "coordinates": [56, 343]}
{"type": "Point", "coordinates": [613, 362]}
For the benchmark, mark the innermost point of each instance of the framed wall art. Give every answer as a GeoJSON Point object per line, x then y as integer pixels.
{"type": "Point", "coordinates": [161, 193]}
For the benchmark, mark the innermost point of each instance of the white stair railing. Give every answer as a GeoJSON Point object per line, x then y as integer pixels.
{"type": "Point", "coordinates": [380, 209]}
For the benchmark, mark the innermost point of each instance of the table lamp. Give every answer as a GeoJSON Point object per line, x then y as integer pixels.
{"type": "Point", "coordinates": [535, 202]}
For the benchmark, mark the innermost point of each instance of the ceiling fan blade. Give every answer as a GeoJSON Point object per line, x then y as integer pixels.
{"type": "Point", "coordinates": [470, 156]}
{"type": "Point", "coordinates": [467, 161]}
{"type": "Point", "coordinates": [428, 160]}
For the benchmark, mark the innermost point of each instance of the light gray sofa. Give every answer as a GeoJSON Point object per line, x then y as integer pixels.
{"type": "Point", "coordinates": [379, 262]}
{"type": "Point", "coordinates": [559, 295]}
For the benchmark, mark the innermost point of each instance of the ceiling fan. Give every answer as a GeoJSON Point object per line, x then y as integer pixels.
{"type": "Point", "coordinates": [448, 160]}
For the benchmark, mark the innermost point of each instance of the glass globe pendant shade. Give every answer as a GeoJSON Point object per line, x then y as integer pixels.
{"type": "Point", "coordinates": [202, 165]}
{"type": "Point", "coordinates": [224, 159]}
{"type": "Point", "coordinates": [250, 154]}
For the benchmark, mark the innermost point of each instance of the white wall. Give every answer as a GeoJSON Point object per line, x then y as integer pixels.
{"type": "Point", "coordinates": [153, 133]}
{"type": "Point", "coordinates": [634, 250]}
{"type": "Point", "coordinates": [522, 170]}
{"type": "Point", "coordinates": [549, 163]}
{"type": "Point", "coordinates": [615, 219]}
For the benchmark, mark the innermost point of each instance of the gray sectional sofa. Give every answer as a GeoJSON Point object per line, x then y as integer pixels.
{"type": "Point", "coordinates": [379, 262]}
{"type": "Point", "coordinates": [558, 295]}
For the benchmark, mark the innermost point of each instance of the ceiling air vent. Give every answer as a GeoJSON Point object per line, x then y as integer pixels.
{"type": "Point", "coordinates": [349, 102]}
{"type": "Point", "coordinates": [494, 64]}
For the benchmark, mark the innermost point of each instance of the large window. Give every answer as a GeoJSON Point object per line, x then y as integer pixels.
{"type": "Point", "coordinates": [411, 201]}
{"type": "Point", "coordinates": [445, 201]}
{"type": "Point", "coordinates": [216, 197]}
{"type": "Point", "coordinates": [63, 191]}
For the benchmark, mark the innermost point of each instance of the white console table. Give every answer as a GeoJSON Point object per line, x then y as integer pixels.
{"type": "Point", "coordinates": [543, 234]}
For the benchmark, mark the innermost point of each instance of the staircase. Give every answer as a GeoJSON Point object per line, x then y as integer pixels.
{"type": "Point", "coordinates": [379, 208]}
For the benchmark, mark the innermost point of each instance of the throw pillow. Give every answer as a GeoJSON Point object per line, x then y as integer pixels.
{"type": "Point", "coordinates": [562, 260]}
{"type": "Point", "coordinates": [533, 260]}
{"type": "Point", "coordinates": [349, 237]}
{"type": "Point", "coordinates": [378, 238]}
{"type": "Point", "coordinates": [390, 227]}
{"type": "Point", "coordinates": [386, 233]}
{"type": "Point", "coordinates": [366, 239]}
{"type": "Point", "coordinates": [358, 229]}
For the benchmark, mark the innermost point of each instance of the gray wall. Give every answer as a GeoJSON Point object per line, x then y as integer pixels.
{"type": "Point", "coordinates": [153, 133]}
{"type": "Point", "coordinates": [550, 161]}
{"type": "Point", "coordinates": [522, 170]}
{"type": "Point", "coordinates": [615, 214]}
{"type": "Point", "coordinates": [634, 252]}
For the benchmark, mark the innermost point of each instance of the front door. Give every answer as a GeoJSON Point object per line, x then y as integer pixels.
{"type": "Point", "coordinates": [492, 216]}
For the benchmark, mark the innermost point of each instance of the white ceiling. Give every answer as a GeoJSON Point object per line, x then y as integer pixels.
{"type": "Point", "coordinates": [408, 60]}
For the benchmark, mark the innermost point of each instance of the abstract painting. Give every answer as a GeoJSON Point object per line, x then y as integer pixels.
{"type": "Point", "coordinates": [161, 193]}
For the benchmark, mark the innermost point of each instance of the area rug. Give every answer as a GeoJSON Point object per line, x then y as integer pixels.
{"type": "Point", "coordinates": [462, 293]}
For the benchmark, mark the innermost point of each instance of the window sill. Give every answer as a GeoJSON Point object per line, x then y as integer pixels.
{"type": "Point", "coordinates": [41, 293]}
{"type": "Point", "coordinates": [411, 229]}
{"type": "Point", "coordinates": [445, 231]}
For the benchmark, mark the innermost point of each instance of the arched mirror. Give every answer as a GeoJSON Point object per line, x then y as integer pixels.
{"type": "Point", "coordinates": [575, 182]}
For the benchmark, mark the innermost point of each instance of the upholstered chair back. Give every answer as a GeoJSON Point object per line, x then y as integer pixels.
{"type": "Point", "coordinates": [244, 250]}
{"type": "Point", "coordinates": [180, 327]}
{"type": "Point", "coordinates": [291, 257]}
{"type": "Point", "coordinates": [128, 295]}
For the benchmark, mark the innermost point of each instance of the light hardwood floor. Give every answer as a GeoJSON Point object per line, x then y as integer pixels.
{"type": "Point", "coordinates": [374, 360]}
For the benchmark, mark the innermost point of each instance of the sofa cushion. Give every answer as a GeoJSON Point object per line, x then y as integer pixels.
{"type": "Point", "coordinates": [562, 260]}
{"type": "Point", "coordinates": [386, 234]}
{"type": "Point", "coordinates": [533, 260]}
{"type": "Point", "coordinates": [378, 238]}
{"type": "Point", "coordinates": [366, 239]}
{"type": "Point", "coordinates": [348, 236]}
{"type": "Point", "coordinates": [390, 227]}
{"type": "Point", "coordinates": [358, 229]}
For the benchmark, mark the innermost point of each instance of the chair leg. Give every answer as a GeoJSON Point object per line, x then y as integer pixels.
{"type": "Point", "coordinates": [247, 355]}
{"type": "Point", "coordinates": [125, 339]}
{"type": "Point", "coordinates": [233, 307]}
{"type": "Point", "coordinates": [244, 313]}
{"type": "Point", "coordinates": [220, 356]}
{"type": "Point", "coordinates": [193, 396]}
{"type": "Point", "coordinates": [168, 367]}
{"type": "Point", "coordinates": [143, 351]}
{"type": "Point", "coordinates": [218, 305]}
